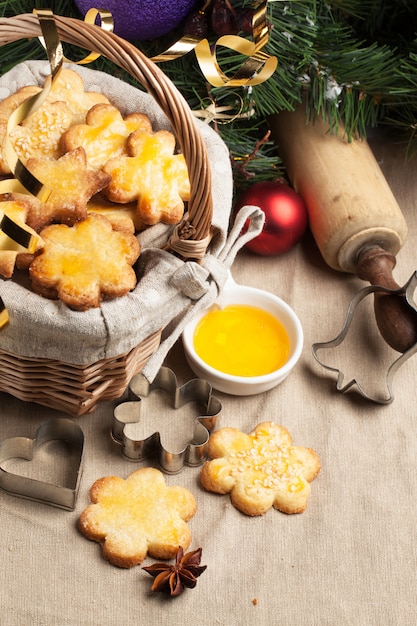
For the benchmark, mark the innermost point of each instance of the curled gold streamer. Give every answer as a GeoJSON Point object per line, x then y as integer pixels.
{"type": "Point", "coordinates": [21, 240]}
{"type": "Point", "coordinates": [4, 316]}
{"type": "Point", "coordinates": [25, 181]}
{"type": "Point", "coordinates": [258, 67]}
{"type": "Point", "coordinates": [223, 114]}
{"type": "Point", "coordinates": [106, 23]}
{"type": "Point", "coordinates": [50, 40]}
{"type": "Point", "coordinates": [248, 73]}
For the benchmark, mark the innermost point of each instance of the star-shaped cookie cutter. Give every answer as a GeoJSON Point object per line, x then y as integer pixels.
{"type": "Point", "coordinates": [407, 291]}
{"type": "Point", "coordinates": [138, 443]}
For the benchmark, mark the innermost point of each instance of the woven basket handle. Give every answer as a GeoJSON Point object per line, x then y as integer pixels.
{"type": "Point", "coordinates": [197, 225]}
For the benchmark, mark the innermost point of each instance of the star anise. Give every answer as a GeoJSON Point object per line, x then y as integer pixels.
{"type": "Point", "coordinates": [173, 579]}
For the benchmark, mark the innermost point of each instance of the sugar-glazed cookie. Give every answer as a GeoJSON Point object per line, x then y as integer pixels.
{"type": "Point", "coordinates": [122, 216]}
{"type": "Point", "coordinates": [104, 134]}
{"type": "Point", "coordinates": [7, 107]}
{"type": "Point", "coordinates": [69, 87]}
{"type": "Point", "coordinates": [39, 135]}
{"type": "Point", "coordinates": [153, 175]}
{"type": "Point", "coordinates": [72, 185]}
{"type": "Point", "coordinates": [85, 264]}
{"type": "Point", "coordinates": [10, 103]}
{"type": "Point", "coordinates": [260, 470]}
{"type": "Point", "coordinates": [138, 516]}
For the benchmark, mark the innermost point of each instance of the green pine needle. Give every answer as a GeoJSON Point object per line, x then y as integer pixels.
{"type": "Point", "coordinates": [355, 60]}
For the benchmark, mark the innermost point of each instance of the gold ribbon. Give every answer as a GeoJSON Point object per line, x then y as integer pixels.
{"type": "Point", "coordinates": [21, 240]}
{"type": "Point", "coordinates": [258, 67]}
{"type": "Point", "coordinates": [4, 316]}
{"type": "Point", "coordinates": [24, 181]}
{"type": "Point", "coordinates": [50, 42]}
{"type": "Point", "coordinates": [214, 112]}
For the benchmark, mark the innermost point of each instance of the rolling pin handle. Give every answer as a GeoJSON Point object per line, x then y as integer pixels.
{"type": "Point", "coordinates": [395, 319]}
{"type": "Point", "coordinates": [375, 265]}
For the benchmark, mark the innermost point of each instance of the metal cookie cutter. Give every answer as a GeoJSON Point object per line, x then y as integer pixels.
{"type": "Point", "coordinates": [139, 442]}
{"type": "Point", "coordinates": [407, 291]}
{"type": "Point", "coordinates": [55, 493]}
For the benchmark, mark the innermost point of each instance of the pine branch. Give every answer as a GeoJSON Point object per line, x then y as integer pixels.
{"type": "Point", "coordinates": [355, 60]}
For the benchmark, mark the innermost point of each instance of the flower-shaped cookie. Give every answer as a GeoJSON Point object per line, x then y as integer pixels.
{"type": "Point", "coordinates": [153, 175]}
{"type": "Point", "coordinates": [260, 470]}
{"type": "Point", "coordinates": [138, 516]}
{"type": "Point", "coordinates": [104, 134]}
{"type": "Point", "coordinates": [7, 106]}
{"type": "Point", "coordinates": [85, 263]}
{"type": "Point", "coordinates": [38, 136]}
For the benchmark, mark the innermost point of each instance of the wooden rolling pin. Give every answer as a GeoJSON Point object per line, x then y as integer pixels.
{"type": "Point", "coordinates": [353, 214]}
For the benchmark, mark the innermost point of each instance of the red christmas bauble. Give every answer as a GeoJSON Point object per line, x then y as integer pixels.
{"type": "Point", "coordinates": [285, 217]}
{"type": "Point", "coordinates": [143, 19]}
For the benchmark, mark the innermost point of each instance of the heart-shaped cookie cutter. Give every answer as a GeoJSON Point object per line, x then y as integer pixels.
{"type": "Point", "coordinates": [58, 495]}
{"type": "Point", "coordinates": [142, 445]}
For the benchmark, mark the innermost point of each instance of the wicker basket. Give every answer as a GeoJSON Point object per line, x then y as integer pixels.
{"type": "Point", "coordinates": [77, 389]}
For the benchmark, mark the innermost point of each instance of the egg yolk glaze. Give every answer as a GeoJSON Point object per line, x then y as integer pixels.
{"type": "Point", "coordinates": [242, 340]}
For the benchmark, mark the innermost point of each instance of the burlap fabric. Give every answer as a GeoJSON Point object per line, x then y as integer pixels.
{"type": "Point", "coordinates": [169, 290]}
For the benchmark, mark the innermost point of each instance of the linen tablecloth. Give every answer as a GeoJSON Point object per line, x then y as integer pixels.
{"type": "Point", "coordinates": [348, 560]}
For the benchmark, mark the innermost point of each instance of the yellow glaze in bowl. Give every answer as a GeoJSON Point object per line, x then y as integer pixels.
{"type": "Point", "coordinates": [228, 347]}
{"type": "Point", "coordinates": [242, 340]}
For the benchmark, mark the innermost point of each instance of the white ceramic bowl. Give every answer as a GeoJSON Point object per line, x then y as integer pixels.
{"type": "Point", "coordinates": [247, 385]}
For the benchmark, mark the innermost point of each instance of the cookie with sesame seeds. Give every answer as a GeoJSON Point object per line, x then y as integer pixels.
{"type": "Point", "coordinates": [7, 106]}
{"type": "Point", "coordinates": [39, 135]}
{"type": "Point", "coordinates": [260, 470]}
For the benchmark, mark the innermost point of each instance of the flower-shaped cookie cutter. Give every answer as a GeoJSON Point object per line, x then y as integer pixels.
{"type": "Point", "coordinates": [407, 292]}
{"type": "Point", "coordinates": [61, 492]}
{"type": "Point", "coordinates": [139, 442]}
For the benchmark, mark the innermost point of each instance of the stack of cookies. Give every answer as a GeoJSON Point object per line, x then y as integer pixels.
{"type": "Point", "coordinates": [108, 177]}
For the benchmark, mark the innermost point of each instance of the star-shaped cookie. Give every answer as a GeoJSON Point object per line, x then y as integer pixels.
{"type": "Point", "coordinates": [71, 183]}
